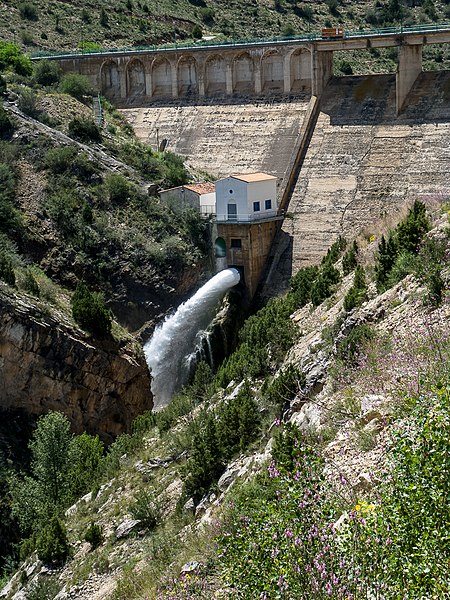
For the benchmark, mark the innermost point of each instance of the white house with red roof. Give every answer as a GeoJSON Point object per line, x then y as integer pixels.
{"type": "Point", "coordinates": [246, 198]}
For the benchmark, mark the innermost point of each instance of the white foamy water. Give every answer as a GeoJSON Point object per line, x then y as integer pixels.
{"type": "Point", "coordinates": [169, 351]}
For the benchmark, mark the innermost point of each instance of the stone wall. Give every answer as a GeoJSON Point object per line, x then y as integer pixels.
{"type": "Point", "coordinates": [47, 365]}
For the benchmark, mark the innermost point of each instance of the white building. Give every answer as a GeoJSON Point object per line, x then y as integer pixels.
{"type": "Point", "coordinates": [246, 198]}
{"type": "Point", "coordinates": [201, 196]}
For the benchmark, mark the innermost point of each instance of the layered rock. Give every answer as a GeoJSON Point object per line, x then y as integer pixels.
{"type": "Point", "coordinates": [47, 364]}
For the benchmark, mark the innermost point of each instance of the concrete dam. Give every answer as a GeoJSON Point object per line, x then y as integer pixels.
{"type": "Point", "coordinates": [363, 162]}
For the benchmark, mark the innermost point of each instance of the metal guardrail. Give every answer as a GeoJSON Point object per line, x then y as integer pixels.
{"type": "Point", "coordinates": [309, 37]}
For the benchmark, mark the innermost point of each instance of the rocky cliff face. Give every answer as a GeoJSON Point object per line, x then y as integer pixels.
{"type": "Point", "coordinates": [47, 364]}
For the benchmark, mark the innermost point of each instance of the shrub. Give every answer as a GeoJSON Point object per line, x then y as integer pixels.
{"type": "Point", "coordinates": [119, 189]}
{"type": "Point", "coordinates": [29, 284]}
{"type": "Point", "coordinates": [197, 32]}
{"type": "Point", "coordinates": [90, 312]}
{"type": "Point", "coordinates": [6, 126]}
{"type": "Point", "coordinates": [6, 270]}
{"type": "Point", "coordinates": [70, 160]}
{"type": "Point", "coordinates": [44, 589]}
{"type": "Point", "coordinates": [285, 386]}
{"type": "Point", "coordinates": [28, 103]}
{"type": "Point", "coordinates": [301, 285]}
{"type": "Point", "coordinates": [207, 15]}
{"type": "Point", "coordinates": [52, 544]}
{"type": "Point", "coordinates": [357, 294]}
{"type": "Point", "coordinates": [93, 535]}
{"type": "Point", "coordinates": [350, 347]}
{"type": "Point", "coordinates": [28, 11]}
{"type": "Point", "coordinates": [144, 509]}
{"type": "Point", "coordinates": [84, 130]}
{"type": "Point", "coordinates": [349, 260]}
{"type": "Point", "coordinates": [75, 85]}
{"type": "Point", "coordinates": [47, 72]}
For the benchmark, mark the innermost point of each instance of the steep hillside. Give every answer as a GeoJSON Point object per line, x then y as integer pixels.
{"type": "Point", "coordinates": [57, 25]}
{"type": "Point", "coordinates": [219, 494]}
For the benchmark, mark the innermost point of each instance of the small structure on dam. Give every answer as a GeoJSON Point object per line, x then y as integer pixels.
{"type": "Point", "coordinates": [245, 215]}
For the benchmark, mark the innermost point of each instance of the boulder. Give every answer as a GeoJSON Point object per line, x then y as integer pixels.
{"type": "Point", "coordinates": [126, 527]}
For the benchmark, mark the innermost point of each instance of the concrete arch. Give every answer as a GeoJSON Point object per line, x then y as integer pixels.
{"type": "Point", "coordinates": [135, 78]}
{"type": "Point", "coordinates": [215, 75]}
{"type": "Point", "coordinates": [272, 71]}
{"type": "Point", "coordinates": [299, 66]}
{"type": "Point", "coordinates": [161, 77]}
{"type": "Point", "coordinates": [110, 79]}
{"type": "Point", "coordinates": [243, 73]}
{"type": "Point", "coordinates": [187, 76]}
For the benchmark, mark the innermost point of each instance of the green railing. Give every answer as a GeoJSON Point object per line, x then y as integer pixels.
{"type": "Point", "coordinates": [308, 37]}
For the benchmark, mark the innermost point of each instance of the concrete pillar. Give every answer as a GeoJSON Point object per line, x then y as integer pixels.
{"type": "Point", "coordinates": [287, 74]}
{"type": "Point", "coordinates": [321, 70]}
{"type": "Point", "coordinates": [174, 72]}
{"type": "Point", "coordinates": [201, 78]}
{"type": "Point", "coordinates": [408, 69]}
{"type": "Point", "coordinates": [123, 81]}
{"type": "Point", "coordinates": [229, 79]}
{"type": "Point", "coordinates": [148, 83]}
{"type": "Point", "coordinates": [257, 78]}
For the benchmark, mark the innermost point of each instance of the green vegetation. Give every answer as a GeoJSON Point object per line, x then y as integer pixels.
{"type": "Point", "coordinates": [12, 59]}
{"type": "Point", "coordinates": [395, 545]}
{"type": "Point", "coordinates": [357, 294]}
{"type": "Point", "coordinates": [90, 312]}
{"type": "Point", "coordinates": [84, 130]}
{"type": "Point", "coordinates": [396, 255]}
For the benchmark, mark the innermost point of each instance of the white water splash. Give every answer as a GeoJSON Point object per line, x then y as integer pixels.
{"type": "Point", "coordinates": [173, 344]}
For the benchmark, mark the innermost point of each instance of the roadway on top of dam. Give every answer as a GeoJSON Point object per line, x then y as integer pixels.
{"type": "Point", "coordinates": [350, 40]}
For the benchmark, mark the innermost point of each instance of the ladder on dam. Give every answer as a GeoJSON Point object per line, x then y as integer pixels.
{"type": "Point", "coordinates": [98, 110]}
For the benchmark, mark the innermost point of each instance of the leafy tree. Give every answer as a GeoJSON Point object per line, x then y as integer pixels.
{"type": "Point", "coordinates": [46, 491]}
{"type": "Point", "coordinates": [90, 312]}
{"type": "Point", "coordinates": [12, 58]}
{"type": "Point", "coordinates": [86, 455]}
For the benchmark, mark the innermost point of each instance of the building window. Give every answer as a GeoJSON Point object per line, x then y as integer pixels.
{"type": "Point", "coordinates": [235, 243]}
{"type": "Point", "coordinates": [256, 207]}
{"type": "Point", "coordinates": [268, 204]}
{"type": "Point", "coordinates": [231, 191]}
{"type": "Point", "coordinates": [232, 212]}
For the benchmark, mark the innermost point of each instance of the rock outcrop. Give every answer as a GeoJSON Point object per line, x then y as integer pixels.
{"type": "Point", "coordinates": [47, 364]}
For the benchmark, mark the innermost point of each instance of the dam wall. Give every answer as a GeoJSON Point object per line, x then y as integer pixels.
{"type": "Point", "coordinates": [363, 162]}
